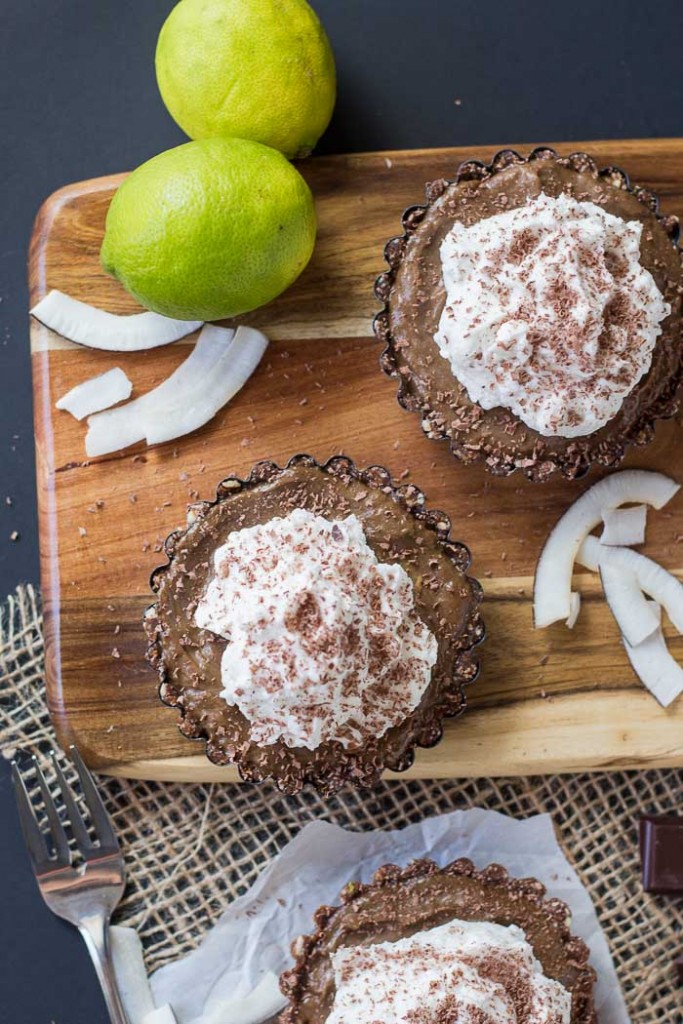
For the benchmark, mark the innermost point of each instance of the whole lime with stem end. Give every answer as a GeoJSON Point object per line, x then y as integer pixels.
{"type": "Point", "coordinates": [255, 69]}
{"type": "Point", "coordinates": [210, 229]}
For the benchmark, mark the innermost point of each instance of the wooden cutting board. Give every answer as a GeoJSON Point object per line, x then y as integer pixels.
{"type": "Point", "coordinates": [547, 701]}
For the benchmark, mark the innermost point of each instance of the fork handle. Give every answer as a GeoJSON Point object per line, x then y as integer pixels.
{"type": "Point", "coordinates": [95, 932]}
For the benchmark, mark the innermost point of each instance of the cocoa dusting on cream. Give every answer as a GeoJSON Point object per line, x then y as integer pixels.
{"type": "Point", "coordinates": [414, 297]}
{"type": "Point", "coordinates": [403, 903]}
{"type": "Point", "coordinates": [458, 970]}
{"type": "Point", "coordinates": [324, 642]}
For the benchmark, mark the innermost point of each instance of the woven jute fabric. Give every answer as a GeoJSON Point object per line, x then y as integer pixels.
{"type": "Point", "coordinates": [190, 849]}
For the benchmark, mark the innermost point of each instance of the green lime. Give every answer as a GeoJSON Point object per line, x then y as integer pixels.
{"type": "Point", "coordinates": [210, 229]}
{"type": "Point", "coordinates": [257, 69]}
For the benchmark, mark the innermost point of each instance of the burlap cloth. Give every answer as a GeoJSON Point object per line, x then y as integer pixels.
{"type": "Point", "coordinates": [192, 848]}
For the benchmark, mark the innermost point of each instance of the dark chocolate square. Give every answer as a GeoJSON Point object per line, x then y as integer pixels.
{"type": "Point", "coordinates": [661, 854]}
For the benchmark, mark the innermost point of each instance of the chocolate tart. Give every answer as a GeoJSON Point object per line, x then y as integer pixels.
{"type": "Point", "coordinates": [399, 902]}
{"type": "Point", "coordinates": [414, 296]}
{"type": "Point", "coordinates": [397, 527]}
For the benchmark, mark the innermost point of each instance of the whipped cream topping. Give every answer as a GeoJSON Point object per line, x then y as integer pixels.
{"type": "Point", "coordinates": [549, 313]}
{"type": "Point", "coordinates": [325, 642]}
{"type": "Point", "coordinates": [472, 972]}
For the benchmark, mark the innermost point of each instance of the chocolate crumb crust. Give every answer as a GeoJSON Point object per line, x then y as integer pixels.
{"type": "Point", "coordinates": [399, 528]}
{"type": "Point", "coordinates": [413, 294]}
{"type": "Point", "coordinates": [399, 902]}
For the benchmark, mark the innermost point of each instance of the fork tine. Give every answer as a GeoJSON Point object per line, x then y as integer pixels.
{"type": "Point", "coordinates": [80, 832]}
{"type": "Point", "coordinates": [100, 819]}
{"type": "Point", "coordinates": [35, 840]}
{"type": "Point", "coordinates": [57, 833]}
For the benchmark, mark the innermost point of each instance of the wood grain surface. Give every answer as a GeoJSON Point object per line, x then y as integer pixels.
{"type": "Point", "coordinates": [547, 701]}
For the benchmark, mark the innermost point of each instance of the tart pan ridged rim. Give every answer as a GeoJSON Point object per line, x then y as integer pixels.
{"type": "Point", "coordinates": [293, 981]}
{"type": "Point", "coordinates": [327, 770]}
{"type": "Point", "coordinates": [574, 462]}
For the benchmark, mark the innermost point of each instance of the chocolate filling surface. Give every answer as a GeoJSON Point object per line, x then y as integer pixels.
{"type": "Point", "coordinates": [414, 294]}
{"type": "Point", "coordinates": [398, 903]}
{"type": "Point", "coordinates": [399, 529]}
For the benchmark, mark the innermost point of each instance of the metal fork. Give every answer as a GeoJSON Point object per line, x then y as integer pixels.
{"type": "Point", "coordinates": [85, 894]}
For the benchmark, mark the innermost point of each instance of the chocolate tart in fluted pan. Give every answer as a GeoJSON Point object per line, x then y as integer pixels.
{"type": "Point", "coordinates": [314, 624]}
{"type": "Point", "coordinates": [585, 326]}
{"type": "Point", "coordinates": [361, 965]}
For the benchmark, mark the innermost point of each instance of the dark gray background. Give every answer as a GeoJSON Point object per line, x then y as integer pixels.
{"type": "Point", "coordinates": [78, 99]}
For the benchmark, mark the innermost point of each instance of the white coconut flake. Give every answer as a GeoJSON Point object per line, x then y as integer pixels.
{"type": "Point", "coordinates": [218, 366]}
{"type": "Point", "coordinates": [655, 666]}
{"type": "Point", "coordinates": [97, 393]}
{"type": "Point", "coordinates": [661, 585]}
{"type": "Point", "coordinates": [552, 584]}
{"type": "Point", "coordinates": [119, 428]}
{"type": "Point", "coordinates": [629, 606]}
{"type": "Point", "coordinates": [96, 328]}
{"type": "Point", "coordinates": [191, 411]}
{"type": "Point", "coordinates": [624, 527]}
{"type": "Point", "coordinates": [575, 607]}
{"type": "Point", "coordinates": [131, 976]}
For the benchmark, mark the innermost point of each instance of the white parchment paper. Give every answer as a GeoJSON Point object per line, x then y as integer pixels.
{"type": "Point", "coordinates": [252, 937]}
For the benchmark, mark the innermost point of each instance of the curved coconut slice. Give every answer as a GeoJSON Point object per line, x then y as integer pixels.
{"type": "Point", "coordinates": [624, 527]}
{"type": "Point", "coordinates": [95, 328]}
{"type": "Point", "coordinates": [552, 584]}
{"type": "Point", "coordinates": [218, 366]}
{"type": "Point", "coordinates": [629, 606]}
{"type": "Point", "coordinates": [131, 976]}
{"type": "Point", "coordinates": [192, 411]}
{"type": "Point", "coordinates": [97, 393]}
{"type": "Point", "coordinates": [654, 664]}
{"type": "Point", "coordinates": [661, 585]}
{"type": "Point", "coordinates": [119, 428]}
{"type": "Point", "coordinates": [574, 608]}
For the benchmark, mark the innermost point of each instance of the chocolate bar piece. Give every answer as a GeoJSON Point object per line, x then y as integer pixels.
{"type": "Point", "coordinates": [661, 854]}
{"type": "Point", "coordinates": [678, 964]}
